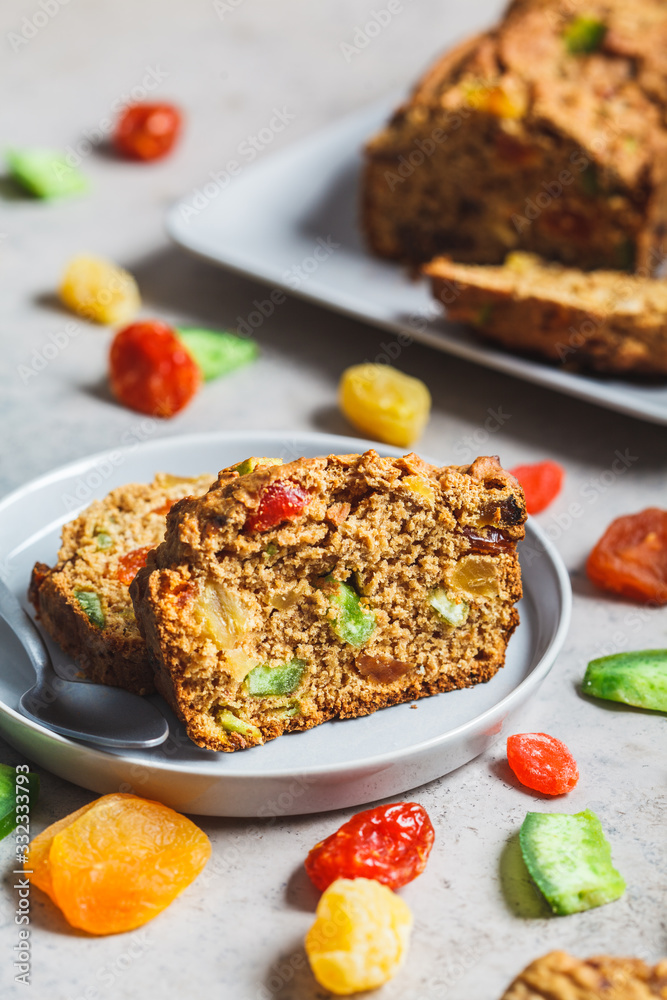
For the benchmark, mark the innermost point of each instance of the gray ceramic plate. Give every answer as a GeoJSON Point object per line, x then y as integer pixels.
{"type": "Point", "coordinates": [291, 221]}
{"type": "Point", "coordinates": [332, 766]}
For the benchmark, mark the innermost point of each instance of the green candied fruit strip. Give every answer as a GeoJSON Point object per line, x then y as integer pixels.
{"type": "Point", "coordinates": [91, 604]}
{"type": "Point", "coordinates": [286, 712]}
{"type": "Point", "coordinates": [217, 352]}
{"type": "Point", "coordinates": [232, 724]}
{"type": "Point", "coordinates": [12, 782]}
{"type": "Point", "coordinates": [104, 540]}
{"type": "Point", "coordinates": [485, 314]}
{"type": "Point", "coordinates": [353, 624]}
{"type": "Point", "coordinates": [454, 611]}
{"type": "Point", "coordinates": [269, 551]}
{"type": "Point", "coordinates": [265, 680]}
{"type": "Point", "coordinates": [250, 464]}
{"type": "Point", "coordinates": [638, 678]}
{"type": "Point", "coordinates": [569, 858]}
{"type": "Point", "coordinates": [584, 34]}
{"type": "Point", "coordinates": [44, 173]}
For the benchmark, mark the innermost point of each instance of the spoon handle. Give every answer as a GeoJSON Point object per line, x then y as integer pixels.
{"type": "Point", "coordinates": [25, 630]}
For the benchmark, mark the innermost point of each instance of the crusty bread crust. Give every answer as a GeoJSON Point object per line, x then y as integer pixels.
{"type": "Point", "coordinates": [559, 976]}
{"type": "Point", "coordinates": [130, 517]}
{"type": "Point", "coordinates": [512, 141]}
{"type": "Point", "coordinates": [601, 320]}
{"type": "Point", "coordinates": [395, 527]}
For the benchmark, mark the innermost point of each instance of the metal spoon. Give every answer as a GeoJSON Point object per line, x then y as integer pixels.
{"type": "Point", "coordinates": [96, 713]}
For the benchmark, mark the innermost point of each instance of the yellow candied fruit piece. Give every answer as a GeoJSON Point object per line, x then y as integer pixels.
{"type": "Point", "coordinates": [521, 262]}
{"type": "Point", "coordinates": [476, 575]}
{"type": "Point", "coordinates": [227, 620]}
{"type": "Point", "coordinates": [100, 290]}
{"type": "Point", "coordinates": [495, 100]}
{"type": "Point", "coordinates": [385, 403]}
{"type": "Point", "coordinates": [419, 485]}
{"type": "Point", "coordinates": [360, 936]}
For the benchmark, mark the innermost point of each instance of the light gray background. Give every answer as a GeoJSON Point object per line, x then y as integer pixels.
{"type": "Point", "coordinates": [240, 926]}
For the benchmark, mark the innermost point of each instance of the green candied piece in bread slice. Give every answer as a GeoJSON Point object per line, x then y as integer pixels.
{"type": "Point", "coordinates": [349, 619]}
{"type": "Point", "coordinates": [266, 680]}
{"type": "Point", "coordinates": [216, 351]}
{"type": "Point", "coordinates": [340, 583]}
{"type": "Point", "coordinates": [569, 859]}
{"type": "Point", "coordinates": [636, 678]}
{"type": "Point", "coordinates": [250, 464]}
{"type": "Point", "coordinates": [44, 173]}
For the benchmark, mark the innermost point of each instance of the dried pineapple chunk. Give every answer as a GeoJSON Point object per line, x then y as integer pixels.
{"type": "Point", "coordinates": [385, 403]}
{"type": "Point", "coordinates": [360, 936]}
{"type": "Point", "coordinates": [476, 575]}
{"type": "Point", "coordinates": [99, 290]}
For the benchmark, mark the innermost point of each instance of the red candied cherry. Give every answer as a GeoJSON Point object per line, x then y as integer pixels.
{"type": "Point", "coordinates": [541, 483]}
{"type": "Point", "coordinates": [147, 131]}
{"type": "Point", "coordinates": [151, 371]}
{"type": "Point", "coordinates": [281, 501]}
{"type": "Point", "coordinates": [542, 762]}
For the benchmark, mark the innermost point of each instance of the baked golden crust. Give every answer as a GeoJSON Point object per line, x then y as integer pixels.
{"type": "Point", "coordinates": [129, 518]}
{"type": "Point", "coordinates": [559, 976]}
{"type": "Point", "coordinates": [514, 141]}
{"type": "Point", "coordinates": [217, 600]}
{"type": "Point", "coordinates": [601, 320]}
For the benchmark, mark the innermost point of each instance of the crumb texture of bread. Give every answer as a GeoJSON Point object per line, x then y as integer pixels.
{"type": "Point", "coordinates": [601, 320]}
{"type": "Point", "coordinates": [83, 601]}
{"type": "Point", "coordinates": [330, 612]}
{"type": "Point", "coordinates": [559, 976]}
{"type": "Point", "coordinates": [547, 133]}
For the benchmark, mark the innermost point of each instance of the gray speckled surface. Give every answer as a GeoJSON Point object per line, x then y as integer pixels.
{"type": "Point", "coordinates": [240, 926]}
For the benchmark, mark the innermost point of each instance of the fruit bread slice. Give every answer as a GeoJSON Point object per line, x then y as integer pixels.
{"type": "Point", "coordinates": [329, 588]}
{"type": "Point", "coordinates": [559, 976]}
{"type": "Point", "coordinates": [547, 133]}
{"type": "Point", "coordinates": [601, 320]}
{"type": "Point", "coordinates": [83, 602]}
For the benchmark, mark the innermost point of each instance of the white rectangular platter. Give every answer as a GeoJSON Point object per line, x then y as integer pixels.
{"type": "Point", "coordinates": [291, 221]}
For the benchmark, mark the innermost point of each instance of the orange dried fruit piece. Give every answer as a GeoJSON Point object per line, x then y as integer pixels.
{"type": "Point", "coordinates": [118, 862]}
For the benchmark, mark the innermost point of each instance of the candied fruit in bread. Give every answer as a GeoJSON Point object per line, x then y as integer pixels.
{"type": "Point", "coordinates": [589, 320]}
{"type": "Point", "coordinates": [546, 133]}
{"type": "Point", "coordinates": [117, 862]}
{"type": "Point", "coordinates": [390, 579]}
{"type": "Point", "coordinates": [83, 601]}
{"type": "Point", "coordinates": [360, 936]}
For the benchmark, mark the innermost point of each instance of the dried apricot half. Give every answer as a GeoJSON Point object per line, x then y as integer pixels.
{"type": "Point", "coordinates": [118, 862]}
{"type": "Point", "coordinates": [631, 557]}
